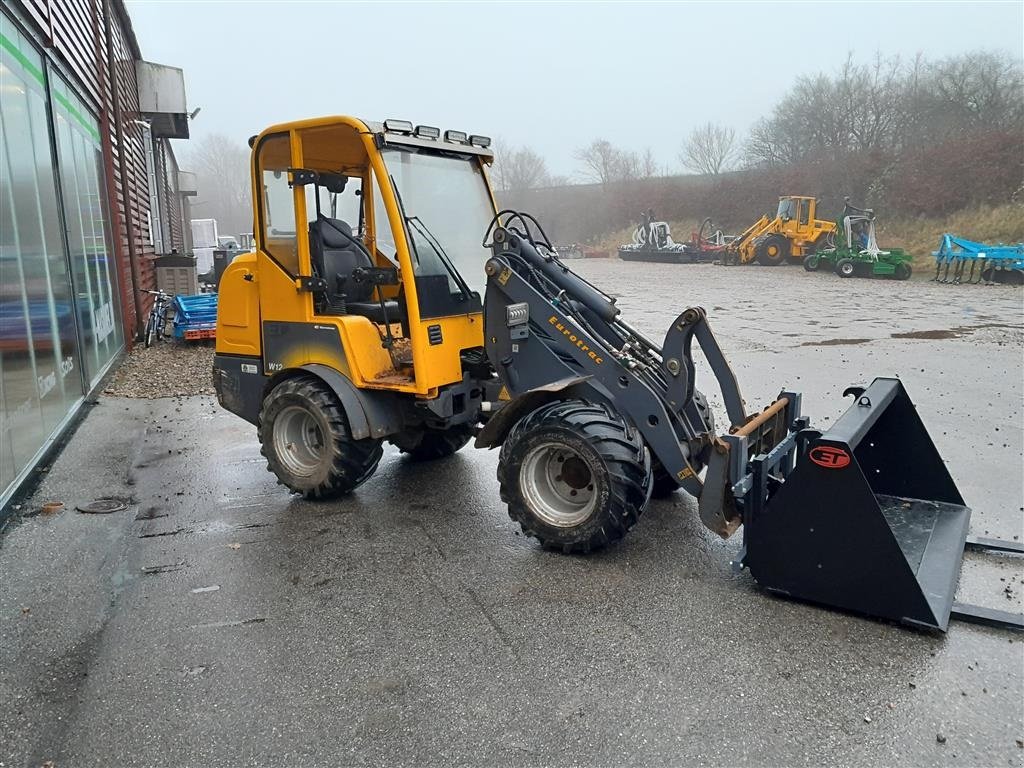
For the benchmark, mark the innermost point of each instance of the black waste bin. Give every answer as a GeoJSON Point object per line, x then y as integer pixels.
{"type": "Point", "coordinates": [221, 258]}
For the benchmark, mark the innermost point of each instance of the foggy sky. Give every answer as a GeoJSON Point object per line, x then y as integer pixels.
{"type": "Point", "coordinates": [551, 76]}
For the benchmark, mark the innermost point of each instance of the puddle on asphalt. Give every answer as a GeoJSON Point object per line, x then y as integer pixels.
{"type": "Point", "coordinates": [942, 333]}
{"type": "Point", "coordinates": [834, 342]}
{"type": "Point", "coordinates": [949, 334]}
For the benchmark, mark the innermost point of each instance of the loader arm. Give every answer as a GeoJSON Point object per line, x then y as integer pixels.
{"type": "Point", "coordinates": [545, 324]}
{"type": "Point", "coordinates": [743, 244]}
{"type": "Point", "coordinates": [547, 341]}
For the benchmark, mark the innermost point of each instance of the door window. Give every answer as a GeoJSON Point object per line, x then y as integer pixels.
{"type": "Point", "coordinates": [278, 208]}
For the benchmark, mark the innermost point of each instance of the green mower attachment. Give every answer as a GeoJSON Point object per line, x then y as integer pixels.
{"type": "Point", "coordinates": [863, 517]}
{"type": "Point", "coordinates": [855, 253]}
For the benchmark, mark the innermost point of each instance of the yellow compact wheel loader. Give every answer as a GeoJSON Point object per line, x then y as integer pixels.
{"type": "Point", "coordinates": [791, 235]}
{"type": "Point", "coordinates": [387, 299]}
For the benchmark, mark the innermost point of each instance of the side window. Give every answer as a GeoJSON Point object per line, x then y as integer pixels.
{"type": "Point", "coordinates": [805, 211]}
{"type": "Point", "coordinates": [279, 238]}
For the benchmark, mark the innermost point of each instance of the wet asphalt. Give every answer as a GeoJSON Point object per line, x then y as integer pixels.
{"type": "Point", "coordinates": [221, 621]}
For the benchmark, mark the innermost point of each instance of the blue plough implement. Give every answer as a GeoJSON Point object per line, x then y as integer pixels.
{"type": "Point", "coordinates": [993, 263]}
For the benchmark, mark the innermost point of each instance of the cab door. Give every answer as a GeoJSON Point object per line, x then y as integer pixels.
{"type": "Point", "coordinates": [796, 212]}
{"type": "Point", "coordinates": [283, 259]}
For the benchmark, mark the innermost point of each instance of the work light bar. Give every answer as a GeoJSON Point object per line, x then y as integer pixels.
{"type": "Point", "coordinates": [427, 132]}
{"type": "Point", "coordinates": [398, 126]}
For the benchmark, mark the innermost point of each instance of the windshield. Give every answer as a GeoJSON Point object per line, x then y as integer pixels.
{"type": "Point", "coordinates": [447, 208]}
{"type": "Point", "coordinates": [787, 208]}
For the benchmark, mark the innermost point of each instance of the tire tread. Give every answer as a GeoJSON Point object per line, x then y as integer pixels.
{"type": "Point", "coordinates": [352, 461]}
{"type": "Point", "coordinates": [621, 448]}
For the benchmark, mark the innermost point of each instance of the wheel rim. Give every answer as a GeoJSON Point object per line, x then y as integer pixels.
{"type": "Point", "coordinates": [847, 269]}
{"type": "Point", "coordinates": [557, 485]}
{"type": "Point", "coordinates": [773, 250]}
{"type": "Point", "coordinates": [298, 441]}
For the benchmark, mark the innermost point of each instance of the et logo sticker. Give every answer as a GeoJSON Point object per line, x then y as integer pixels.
{"type": "Point", "coordinates": [830, 457]}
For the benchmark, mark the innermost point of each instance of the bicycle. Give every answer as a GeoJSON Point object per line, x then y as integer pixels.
{"type": "Point", "coordinates": [157, 322]}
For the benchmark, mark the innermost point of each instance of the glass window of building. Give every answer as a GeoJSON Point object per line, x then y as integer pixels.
{"type": "Point", "coordinates": [40, 365]}
{"type": "Point", "coordinates": [93, 271]}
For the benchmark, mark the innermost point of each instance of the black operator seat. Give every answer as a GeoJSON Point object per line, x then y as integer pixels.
{"type": "Point", "coordinates": [338, 256]}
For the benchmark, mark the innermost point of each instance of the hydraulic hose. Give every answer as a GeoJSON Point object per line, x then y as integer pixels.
{"type": "Point", "coordinates": [563, 277]}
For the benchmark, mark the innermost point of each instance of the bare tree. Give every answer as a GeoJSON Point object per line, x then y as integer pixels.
{"type": "Point", "coordinates": [222, 179]}
{"type": "Point", "coordinates": [709, 149]}
{"type": "Point", "coordinates": [601, 162]}
{"type": "Point", "coordinates": [887, 106]}
{"type": "Point", "coordinates": [648, 165]}
{"type": "Point", "coordinates": [630, 167]}
{"type": "Point", "coordinates": [519, 168]}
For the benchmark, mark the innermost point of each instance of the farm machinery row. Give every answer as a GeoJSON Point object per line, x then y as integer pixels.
{"type": "Point", "coordinates": [848, 247]}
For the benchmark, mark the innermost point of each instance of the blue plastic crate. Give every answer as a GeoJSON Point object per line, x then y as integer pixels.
{"type": "Point", "coordinates": [195, 317]}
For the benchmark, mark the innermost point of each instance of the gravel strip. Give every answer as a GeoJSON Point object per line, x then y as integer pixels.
{"type": "Point", "coordinates": [167, 369]}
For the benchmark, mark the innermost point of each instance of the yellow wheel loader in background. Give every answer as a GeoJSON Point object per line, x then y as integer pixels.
{"type": "Point", "coordinates": [792, 235]}
{"type": "Point", "coordinates": [388, 299]}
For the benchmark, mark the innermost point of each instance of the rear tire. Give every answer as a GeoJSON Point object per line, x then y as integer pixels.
{"type": "Point", "coordinates": [902, 271]}
{"type": "Point", "coordinates": [774, 250]}
{"type": "Point", "coordinates": [846, 268]}
{"type": "Point", "coordinates": [305, 437]}
{"type": "Point", "coordinates": [812, 262]}
{"type": "Point", "coordinates": [428, 444]}
{"type": "Point", "coordinates": [574, 475]}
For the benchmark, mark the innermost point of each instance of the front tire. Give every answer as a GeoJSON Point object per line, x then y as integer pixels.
{"type": "Point", "coordinates": [774, 250]}
{"type": "Point", "coordinates": [428, 444]}
{"type": "Point", "coordinates": [305, 437]}
{"type": "Point", "coordinates": [575, 476]}
{"type": "Point", "coordinates": [846, 268]}
{"type": "Point", "coordinates": [812, 262]}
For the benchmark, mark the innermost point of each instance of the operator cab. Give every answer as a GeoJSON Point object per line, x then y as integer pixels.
{"type": "Point", "coordinates": [798, 209]}
{"type": "Point", "coordinates": [375, 230]}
